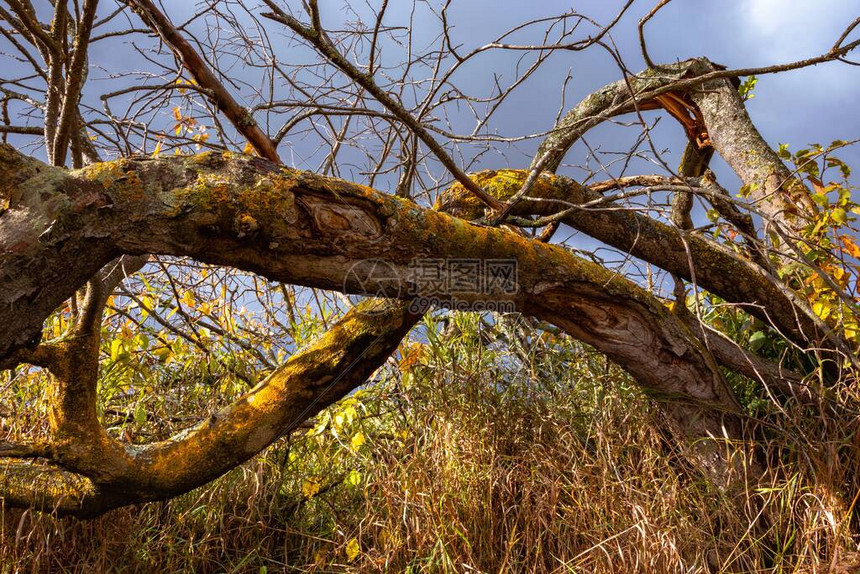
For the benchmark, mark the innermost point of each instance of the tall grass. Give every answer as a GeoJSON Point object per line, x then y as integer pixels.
{"type": "Point", "coordinates": [491, 448]}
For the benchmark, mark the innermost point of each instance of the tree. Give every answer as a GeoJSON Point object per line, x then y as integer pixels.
{"type": "Point", "coordinates": [71, 237]}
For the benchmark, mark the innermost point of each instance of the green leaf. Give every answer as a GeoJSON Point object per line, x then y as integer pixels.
{"type": "Point", "coordinates": [757, 340]}
{"type": "Point", "coordinates": [142, 342]}
{"type": "Point", "coordinates": [747, 87]}
{"type": "Point", "coordinates": [820, 199]}
{"type": "Point", "coordinates": [353, 478]}
{"type": "Point", "coordinates": [139, 414]}
{"type": "Point", "coordinates": [839, 215]}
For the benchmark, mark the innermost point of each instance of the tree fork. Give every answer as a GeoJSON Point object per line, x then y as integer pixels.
{"type": "Point", "coordinates": [306, 229]}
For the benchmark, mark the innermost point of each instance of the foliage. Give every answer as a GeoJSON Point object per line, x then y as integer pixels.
{"type": "Point", "coordinates": [486, 442]}
{"type": "Point", "coordinates": [493, 444]}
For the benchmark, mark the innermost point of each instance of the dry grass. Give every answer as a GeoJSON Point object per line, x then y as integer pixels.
{"type": "Point", "coordinates": [488, 461]}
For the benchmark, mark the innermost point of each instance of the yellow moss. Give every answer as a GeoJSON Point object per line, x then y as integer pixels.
{"type": "Point", "coordinates": [205, 156]}
{"type": "Point", "coordinates": [274, 194]}
{"type": "Point", "coordinates": [107, 172]}
{"type": "Point", "coordinates": [208, 191]}
{"type": "Point", "coordinates": [501, 184]}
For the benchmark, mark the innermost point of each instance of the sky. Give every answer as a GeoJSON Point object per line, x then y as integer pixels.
{"type": "Point", "coordinates": [813, 105]}
{"type": "Point", "coordinates": [816, 104]}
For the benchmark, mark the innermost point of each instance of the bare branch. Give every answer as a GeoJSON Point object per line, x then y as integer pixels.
{"type": "Point", "coordinates": [318, 40]}
{"type": "Point", "coordinates": [238, 115]}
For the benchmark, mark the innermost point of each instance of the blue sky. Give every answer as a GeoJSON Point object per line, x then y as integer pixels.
{"type": "Point", "coordinates": [812, 105]}
{"type": "Point", "coordinates": [817, 104]}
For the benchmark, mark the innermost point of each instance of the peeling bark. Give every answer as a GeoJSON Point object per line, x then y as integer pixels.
{"type": "Point", "coordinates": [614, 99]}
{"type": "Point", "coordinates": [776, 192]}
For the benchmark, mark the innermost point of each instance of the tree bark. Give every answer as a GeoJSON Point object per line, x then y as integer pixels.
{"type": "Point", "coordinates": [305, 229]}
{"type": "Point", "coordinates": [692, 257]}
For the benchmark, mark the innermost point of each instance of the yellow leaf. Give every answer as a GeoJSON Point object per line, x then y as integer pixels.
{"type": "Point", "coordinates": [311, 486]}
{"type": "Point", "coordinates": [838, 274]}
{"type": "Point", "coordinates": [353, 478]}
{"type": "Point", "coordinates": [353, 549]}
{"type": "Point", "coordinates": [115, 349]}
{"type": "Point", "coordinates": [157, 149]}
{"type": "Point", "coordinates": [412, 356]}
{"type": "Point", "coordinates": [249, 149]}
{"type": "Point", "coordinates": [188, 297]}
{"type": "Point", "coordinates": [822, 308]}
{"type": "Point", "coordinates": [850, 247]}
{"type": "Point", "coordinates": [177, 113]}
{"type": "Point", "coordinates": [357, 440]}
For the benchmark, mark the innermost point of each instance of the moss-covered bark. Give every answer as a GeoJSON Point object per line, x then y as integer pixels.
{"type": "Point", "coordinates": [89, 473]}
{"type": "Point", "coordinates": [722, 272]}
{"type": "Point", "coordinates": [305, 229]}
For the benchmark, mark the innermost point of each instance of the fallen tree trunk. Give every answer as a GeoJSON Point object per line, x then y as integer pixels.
{"type": "Point", "coordinates": [304, 229]}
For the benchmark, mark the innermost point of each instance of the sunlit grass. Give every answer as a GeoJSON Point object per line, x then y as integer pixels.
{"type": "Point", "coordinates": [491, 448]}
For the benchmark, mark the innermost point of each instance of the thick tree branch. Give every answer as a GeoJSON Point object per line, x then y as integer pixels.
{"type": "Point", "coordinates": [108, 475]}
{"type": "Point", "coordinates": [717, 269]}
{"type": "Point", "coordinates": [301, 228]}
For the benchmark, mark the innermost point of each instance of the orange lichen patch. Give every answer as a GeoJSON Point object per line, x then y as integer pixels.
{"type": "Point", "coordinates": [274, 194]}
{"type": "Point", "coordinates": [247, 224]}
{"type": "Point", "coordinates": [119, 178]}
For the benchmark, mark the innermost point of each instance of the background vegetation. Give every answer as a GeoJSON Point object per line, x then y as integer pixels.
{"type": "Point", "coordinates": [487, 443]}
